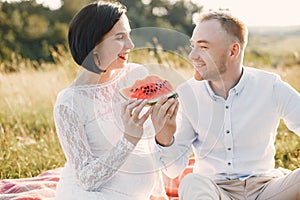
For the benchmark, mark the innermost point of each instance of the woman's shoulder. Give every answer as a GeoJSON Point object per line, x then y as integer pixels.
{"type": "Point", "coordinates": [69, 97]}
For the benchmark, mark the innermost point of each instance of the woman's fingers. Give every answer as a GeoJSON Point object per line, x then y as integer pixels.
{"type": "Point", "coordinates": [124, 109]}
{"type": "Point", "coordinates": [133, 108]}
{"type": "Point", "coordinates": [145, 116]}
{"type": "Point", "coordinates": [130, 105]}
{"type": "Point", "coordinates": [137, 109]}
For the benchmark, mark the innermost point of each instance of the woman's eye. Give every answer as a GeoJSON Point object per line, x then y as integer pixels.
{"type": "Point", "coordinates": [120, 37]}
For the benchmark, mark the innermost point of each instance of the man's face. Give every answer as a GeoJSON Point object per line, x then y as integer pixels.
{"type": "Point", "coordinates": [210, 50]}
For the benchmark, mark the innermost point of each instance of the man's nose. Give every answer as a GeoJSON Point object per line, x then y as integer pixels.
{"type": "Point", "coordinates": [193, 55]}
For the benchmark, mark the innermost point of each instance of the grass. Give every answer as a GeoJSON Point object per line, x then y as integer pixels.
{"type": "Point", "coordinates": [28, 142]}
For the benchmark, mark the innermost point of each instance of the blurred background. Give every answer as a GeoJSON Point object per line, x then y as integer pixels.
{"type": "Point", "coordinates": [35, 65]}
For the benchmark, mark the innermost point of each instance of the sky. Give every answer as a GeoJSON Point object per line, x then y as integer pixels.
{"type": "Point", "coordinates": [252, 12]}
{"type": "Point", "coordinates": [259, 12]}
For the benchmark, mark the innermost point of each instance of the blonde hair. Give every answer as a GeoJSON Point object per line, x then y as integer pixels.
{"type": "Point", "coordinates": [232, 25]}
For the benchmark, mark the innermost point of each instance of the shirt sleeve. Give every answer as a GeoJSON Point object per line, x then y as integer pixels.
{"type": "Point", "coordinates": [175, 157]}
{"type": "Point", "coordinates": [288, 103]}
{"type": "Point", "coordinates": [92, 171]}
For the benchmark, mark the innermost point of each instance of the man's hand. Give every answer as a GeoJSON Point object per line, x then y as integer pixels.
{"type": "Point", "coordinates": [164, 120]}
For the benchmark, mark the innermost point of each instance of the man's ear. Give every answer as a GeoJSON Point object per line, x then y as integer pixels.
{"type": "Point", "coordinates": [235, 49]}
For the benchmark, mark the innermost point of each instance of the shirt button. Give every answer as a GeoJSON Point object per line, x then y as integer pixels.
{"type": "Point", "coordinates": [228, 148]}
{"type": "Point", "coordinates": [229, 163]}
{"type": "Point", "coordinates": [227, 131]}
{"type": "Point", "coordinates": [226, 107]}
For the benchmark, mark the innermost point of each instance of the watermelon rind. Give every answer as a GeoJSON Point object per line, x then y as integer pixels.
{"type": "Point", "coordinates": [172, 94]}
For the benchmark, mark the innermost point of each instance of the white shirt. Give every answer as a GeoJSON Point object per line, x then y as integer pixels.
{"type": "Point", "coordinates": [232, 138]}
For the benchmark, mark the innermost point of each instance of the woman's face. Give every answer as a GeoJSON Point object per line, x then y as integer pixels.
{"type": "Point", "coordinates": [115, 45]}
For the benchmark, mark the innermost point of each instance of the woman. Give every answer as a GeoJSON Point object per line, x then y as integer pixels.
{"type": "Point", "coordinates": [105, 159]}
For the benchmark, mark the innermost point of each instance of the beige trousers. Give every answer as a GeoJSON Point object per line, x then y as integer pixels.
{"type": "Point", "coordinates": [195, 186]}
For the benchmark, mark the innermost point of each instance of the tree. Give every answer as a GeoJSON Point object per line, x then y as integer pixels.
{"type": "Point", "coordinates": [32, 31]}
{"type": "Point", "coordinates": [174, 14]}
{"type": "Point", "coordinates": [28, 29]}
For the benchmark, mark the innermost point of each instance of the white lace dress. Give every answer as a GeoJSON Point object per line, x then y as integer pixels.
{"type": "Point", "coordinates": [101, 163]}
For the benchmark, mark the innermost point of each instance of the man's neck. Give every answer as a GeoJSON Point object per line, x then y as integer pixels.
{"type": "Point", "coordinates": [227, 81]}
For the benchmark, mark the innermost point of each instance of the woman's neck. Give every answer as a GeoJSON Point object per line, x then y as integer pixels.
{"type": "Point", "coordinates": [111, 72]}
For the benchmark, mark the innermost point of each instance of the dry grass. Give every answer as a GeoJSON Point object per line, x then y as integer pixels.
{"type": "Point", "coordinates": [28, 141]}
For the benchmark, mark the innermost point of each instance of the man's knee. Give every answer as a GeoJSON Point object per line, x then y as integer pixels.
{"type": "Point", "coordinates": [195, 185]}
{"type": "Point", "coordinates": [195, 179]}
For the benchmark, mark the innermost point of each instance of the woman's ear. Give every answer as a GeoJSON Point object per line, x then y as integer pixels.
{"type": "Point", "coordinates": [97, 59]}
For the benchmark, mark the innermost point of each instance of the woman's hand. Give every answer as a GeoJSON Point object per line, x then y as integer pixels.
{"type": "Point", "coordinates": [164, 120]}
{"type": "Point", "coordinates": [133, 122]}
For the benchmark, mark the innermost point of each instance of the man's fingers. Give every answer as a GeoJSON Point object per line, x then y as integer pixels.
{"type": "Point", "coordinates": [159, 103]}
{"type": "Point", "coordinates": [165, 108]}
{"type": "Point", "coordinates": [172, 107]}
{"type": "Point", "coordinates": [174, 114]}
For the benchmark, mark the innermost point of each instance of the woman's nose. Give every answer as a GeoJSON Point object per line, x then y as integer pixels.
{"type": "Point", "coordinates": [129, 44]}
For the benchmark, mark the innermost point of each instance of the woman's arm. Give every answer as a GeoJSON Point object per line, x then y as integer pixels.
{"type": "Point", "coordinates": [92, 171]}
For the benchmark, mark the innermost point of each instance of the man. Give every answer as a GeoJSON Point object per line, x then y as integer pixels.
{"type": "Point", "coordinates": [229, 116]}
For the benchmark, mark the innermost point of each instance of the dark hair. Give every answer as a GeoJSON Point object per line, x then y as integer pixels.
{"type": "Point", "coordinates": [232, 25]}
{"type": "Point", "coordinates": [90, 24]}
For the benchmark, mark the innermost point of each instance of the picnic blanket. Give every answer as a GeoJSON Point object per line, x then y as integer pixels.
{"type": "Point", "coordinates": [42, 187]}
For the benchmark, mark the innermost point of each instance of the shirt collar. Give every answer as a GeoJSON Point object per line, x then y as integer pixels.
{"type": "Point", "coordinates": [237, 89]}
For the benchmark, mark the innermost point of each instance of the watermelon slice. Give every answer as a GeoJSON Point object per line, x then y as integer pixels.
{"type": "Point", "coordinates": [151, 88]}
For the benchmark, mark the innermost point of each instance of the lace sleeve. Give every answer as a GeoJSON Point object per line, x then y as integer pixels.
{"type": "Point", "coordinates": [91, 171]}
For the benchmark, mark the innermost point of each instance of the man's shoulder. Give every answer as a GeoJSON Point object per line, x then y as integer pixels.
{"type": "Point", "coordinates": [190, 84]}
{"type": "Point", "coordinates": [260, 73]}
{"type": "Point", "coordinates": [190, 90]}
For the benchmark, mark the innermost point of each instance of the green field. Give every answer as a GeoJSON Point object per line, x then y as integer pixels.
{"type": "Point", "coordinates": [28, 141]}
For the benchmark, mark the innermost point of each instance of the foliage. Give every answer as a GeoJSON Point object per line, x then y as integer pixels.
{"type": "Point", "coordinates": [30, 31]}
{"type": "Point", "coordinates": [175, 15]}
{"type": "Point", "coordinates": [277, 48]}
